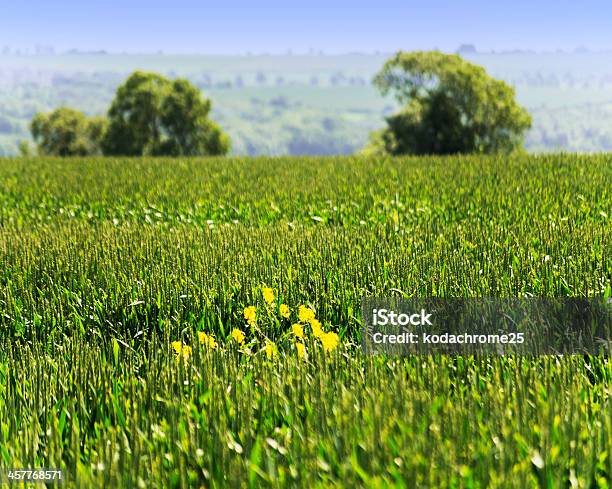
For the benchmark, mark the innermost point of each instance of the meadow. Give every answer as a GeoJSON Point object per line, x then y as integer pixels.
{"type": "Point", "coordinates": [196, 322]}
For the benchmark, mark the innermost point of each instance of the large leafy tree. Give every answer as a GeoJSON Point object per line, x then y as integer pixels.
{"type": "Point", "coordinates": [152, 115]}
{"type": "Point", "coordinates": [67, 132]}
{"type": "Point", "coordinates": [449, 106]}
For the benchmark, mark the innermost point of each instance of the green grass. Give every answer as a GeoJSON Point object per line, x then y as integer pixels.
{"type": "Point", "coordinates": [103, 263]}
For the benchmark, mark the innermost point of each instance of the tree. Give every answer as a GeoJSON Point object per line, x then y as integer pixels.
{"type": "Point", "coordinates": [67, 132]}
{"type": "Point", "coordinates": [24, 149]}
{"type": "Point", "coordinates": [152, 115]}
{"type": "Point", "coordinates": [450, 106]}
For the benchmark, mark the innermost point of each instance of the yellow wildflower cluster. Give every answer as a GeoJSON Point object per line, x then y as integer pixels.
{"type": "Point", "coordinates": [207, 340]}
{"type": "Point", "coordinates": [298, 331]}
{"type": "Point", "coordinates": [184, 351]}
{"type": "Point", "coordinates": [317, 329]}
{"type": "Point", "coordinates": [306, 318]}
{"type": "Point", "coordinates": [238, 336]}
{"type": "Point", "coordinates": [250, 314]}
{"type": "Point", "coordinates": [268, 295]}
{"type": "Point", "coordinates": [330, 340]}
{"type": "Point", "coordinates": [305, 314]}
{"type": "Point", "coordinates": [181, 350]}
{"type": "Point", "coordinates": [269, 298]}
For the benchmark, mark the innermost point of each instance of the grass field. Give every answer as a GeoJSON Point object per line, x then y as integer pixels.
{"type": "Point", "coordinates": [112, 270]}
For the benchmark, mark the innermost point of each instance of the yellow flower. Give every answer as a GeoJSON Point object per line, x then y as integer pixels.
{"type": "Point", "coordinates": [298, 331]}
{"type": "Point", "coordinates": [186, 352]}
{"type": "Point", "coordinates": [181, 350]}
{"type": "Point", "coordinates": [301, 349]}
{"type": "Point", "coordinates": [238, 336]}
{"type": "Point", "coordinates": [305, 314]}
{"type": "Point", "coordinates": [250, 314]}
{"type": "Point", "coordinates": [270, 349]}
{"type": "Point", "coordinates": [330, 341]}
{"type": "Point", "coordinates": [284, 310]}
{"type": "Point", "coordinates": [317, 330]}
{"type": "Point", "coordinates": [268, 294]}
{"type": "Point", "coordinates": [207, 340]}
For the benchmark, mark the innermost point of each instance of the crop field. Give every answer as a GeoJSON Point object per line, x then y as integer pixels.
{"type": "Point", "coordinates": [196, 323]}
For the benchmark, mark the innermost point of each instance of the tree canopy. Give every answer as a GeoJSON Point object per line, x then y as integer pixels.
{"type": "Point", "coordinates": [67, 132]}
{"type": "Point", "coordinates": [152, 115]}
{"type": "Point", "coordinates": [450, 106]}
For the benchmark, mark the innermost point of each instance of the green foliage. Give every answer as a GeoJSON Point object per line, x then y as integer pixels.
{"type": "Point", "coordinates": [67, 132]}
{"type": "Point", "coordinates": [24, 149]}
{"type": "Point", "coordinates": [184, 120]}
{"type": "Point", "coordinates": [106, 262]}
{"type": "Point", "coordinates": [451, 106]}
{"type": "Point", "coordinates": [152, 115]}
{"type": "Point", "coordinates": [226, 420]}
{"type": "Point", "coordinates": [326, 230]}
{"type": "Point", "coordinates": [568, 96]}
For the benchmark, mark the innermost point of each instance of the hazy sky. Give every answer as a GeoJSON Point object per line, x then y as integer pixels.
{"type": "Point", "coordinates": [189, 26]}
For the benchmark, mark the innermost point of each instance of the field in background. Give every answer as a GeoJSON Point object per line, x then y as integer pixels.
{"type": "Point", "coordinates": [104, 262]}
{"type": "Point", "coordinates": [309, 104]}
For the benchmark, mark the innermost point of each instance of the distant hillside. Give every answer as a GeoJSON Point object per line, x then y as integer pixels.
{"type": "Point", "coordinates": [309, 104]}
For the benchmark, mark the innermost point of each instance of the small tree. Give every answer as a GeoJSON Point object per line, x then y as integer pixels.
{"type": "Point", "coordinates": [451, 106]}
{"type": "Point", "coordinates": [67, 132]}
{"type": "Point", "coordinates": [152, 115]}
{"type": "Point", "coordinates": [24, 149]}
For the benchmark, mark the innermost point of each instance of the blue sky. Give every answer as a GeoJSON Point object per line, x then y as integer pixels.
{"type": "Point", "coordinates": [189, 26]}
